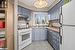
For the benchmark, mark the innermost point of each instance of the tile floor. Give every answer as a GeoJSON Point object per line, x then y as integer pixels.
{"type": "Point", "coordinates": [40, 45]}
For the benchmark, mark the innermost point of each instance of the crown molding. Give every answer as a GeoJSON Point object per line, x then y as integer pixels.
{"type": "Point", "coordinates": [35, 9]}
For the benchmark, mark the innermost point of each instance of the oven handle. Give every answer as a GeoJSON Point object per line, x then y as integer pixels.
{"type": "Point", "coordinates": [22, 33]}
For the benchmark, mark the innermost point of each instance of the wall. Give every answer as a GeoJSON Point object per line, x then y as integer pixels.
{"type": "Point", "coordinates": [9, 25]}
{"type": "Point", "coordinates": [55, 11]}
{"type": "Point", "coordinates": [15, 24]}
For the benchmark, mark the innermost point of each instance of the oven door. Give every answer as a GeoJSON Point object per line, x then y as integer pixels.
{"type": "Point", "coordinates": [24, 36]}
{"type": "Point", "coordinates": [24, 39]}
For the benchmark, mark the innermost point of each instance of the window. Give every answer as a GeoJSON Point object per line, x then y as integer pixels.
{"type": "Point", "coordinates": [41, 18]}
{"type": "Point", "coordinates": [66, 1]}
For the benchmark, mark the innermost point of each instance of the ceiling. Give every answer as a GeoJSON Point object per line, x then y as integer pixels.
{"type": "Point", "coordinates": [29, 4]}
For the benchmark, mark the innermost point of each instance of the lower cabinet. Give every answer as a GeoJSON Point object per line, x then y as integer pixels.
{"type": "Point", "coordinates": [54, 39]}
{"type": "Point", "coordinates": [39, 34]}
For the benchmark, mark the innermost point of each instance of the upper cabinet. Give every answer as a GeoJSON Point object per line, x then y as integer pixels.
{"type": "Point", "coordinates": [26, 13]}
{"type": "Point", "coordinates": [55, 11]}
{"type": "Point", "coordinates": [19, 10]}
{"type": "Point", "coordinates": [55, 14]}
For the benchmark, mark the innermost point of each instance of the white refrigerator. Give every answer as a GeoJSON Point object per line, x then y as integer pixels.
{"type": "Point", "coordinates": [68, 26]}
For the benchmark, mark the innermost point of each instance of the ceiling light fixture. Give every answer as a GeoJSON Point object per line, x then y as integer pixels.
{"type": "Point", "coordinates": [40, 3]}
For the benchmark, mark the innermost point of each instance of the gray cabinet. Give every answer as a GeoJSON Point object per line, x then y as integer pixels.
{"type": "Point", "coordinates": [24, 11]}
{"type": "Point", "coordinates": [43, 34]}
{"type": "Point", "coordinates": [33, 34]}
{"type": "Point", "coordinates": [39, 34]}
{"type": "Point", "coordinates": [19, 10]}
{"type": "Point", "coordinates": [54, 14]}
{"type": "Point", "coordinates": [54, 39]}
{"type": "Point", "coordinates": [55, 11]}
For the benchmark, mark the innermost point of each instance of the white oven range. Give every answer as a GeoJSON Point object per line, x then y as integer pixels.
{"type": "Point", "coordinates": [24, 38]}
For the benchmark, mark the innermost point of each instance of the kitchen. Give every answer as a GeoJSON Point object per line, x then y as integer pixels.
{"type": "Point", "coordinates": [26, 26]}
{"type": "Point", "coordinates": [38, 28]}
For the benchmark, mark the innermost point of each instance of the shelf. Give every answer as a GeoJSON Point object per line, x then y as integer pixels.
{"type": "Point", "coordinates": [2, 19]}
{"type": "Point", "coordinates": [2, 29]}
{"type": "Point", "coordinates": [3, 48]}
{"type": "Point", "coordinates": [2, 8]}
{"type": "Point", "coordinates": [2, 16]}
{"type": "Point", "coordinates": [2, 39]}
{"type": "Point", "coordinates": [22, 16]}
{"type": "Point", "coordinates": [2, 11]}
{"type": "Point", "coordinates": [2, 35]}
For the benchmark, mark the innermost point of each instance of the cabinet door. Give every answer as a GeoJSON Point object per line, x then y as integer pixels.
{"type": "Point", "coordinates": [43, 34]}
{"type": "Point", "coordinates": [49, 34]}
{"type": "Point", "coordinates": [33, 34]}
{"type": "Point", "coordinates": [37, 34]}
{"type": "Point", "coordinates": [23, 11]}
{"type": "Point", "coordinates": [56, 43]}
{"type": "Point", "coordinates": [19, 10]}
